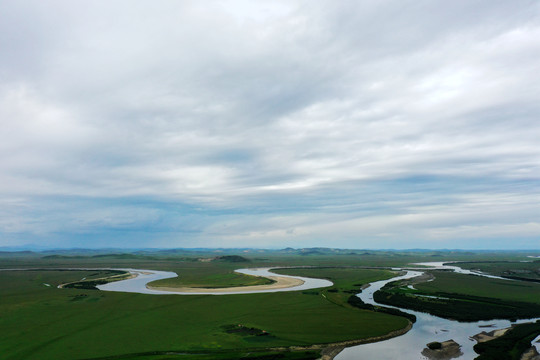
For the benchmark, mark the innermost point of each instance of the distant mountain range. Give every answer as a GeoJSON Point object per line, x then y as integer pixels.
{"type": "Point", "coordinates": [126, 253]}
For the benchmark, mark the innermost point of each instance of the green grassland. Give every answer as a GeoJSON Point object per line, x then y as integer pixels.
{"type": "Point", "coordinates": [348, 278]}
{"type": "Point", "coordinates": [250, 354]}
{"type": "Point", "coordinates": [223, 355]}
{"type": "Point", "coordinates": [162, 260]}
{"type": "Point", "coordinates": [44, 322]}
{"type": "Point", "coordinates": [525, 270]}
{"type": "Point", "coordinates": [209, 275]}
{"type": "Point", "coordinates": [511, 345]}
{"type": "Point", "coordinates": [196, 273]}
{"type": "Point", "coordinates": [347, 281]}
{"type": "Point", "coordinates": [466, 297]}
{"type": "Point", "coordinates": [510, 290]}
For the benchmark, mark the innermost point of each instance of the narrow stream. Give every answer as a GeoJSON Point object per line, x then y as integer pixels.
{"type": "Point", "coordinates": [427, 328]}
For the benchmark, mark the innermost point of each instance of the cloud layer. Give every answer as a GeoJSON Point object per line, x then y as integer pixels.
{"type": "Point", "coordinates": [347, 124]}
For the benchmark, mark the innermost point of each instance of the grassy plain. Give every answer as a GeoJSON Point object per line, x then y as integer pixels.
{"type": "Point", "coordinates": [343, 278]}
{"type": "Point", "coordinates": [41, 322]}
{"type": "Point", "coordinates": [465, 297]}
{"type": "Point", "coordinates": [480, 286]}
{"type": "Point", "coordinates": [346, 281]}
{"type": "Point", "coordinates": [527, 270]}
{"type": "Point", "coordinates": [184, 259]}
{"type": "Point", "coordinates": [210, 275]}
{"type": "Point", "coordinates": [511, 345]}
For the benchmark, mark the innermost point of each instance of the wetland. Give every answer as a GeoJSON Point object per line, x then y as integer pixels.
{"type": "Point", "coordinates": [295, 323]}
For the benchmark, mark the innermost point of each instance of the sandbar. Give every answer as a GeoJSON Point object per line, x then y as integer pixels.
{"type": "Point", "coordinates": [487, 336]}
{"type": "Point", "coordinates": [281, 282]}
{"type": "Point", "coordinates": [449, 349]}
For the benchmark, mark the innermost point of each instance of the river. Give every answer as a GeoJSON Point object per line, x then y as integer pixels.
{"type": "Point", "coordinates": [139, 283]}
{"type": "Point", "coordinates": [427, 328]}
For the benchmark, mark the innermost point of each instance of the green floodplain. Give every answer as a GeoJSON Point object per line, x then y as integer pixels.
{"type": "Point", "coordinates": [40, 321]}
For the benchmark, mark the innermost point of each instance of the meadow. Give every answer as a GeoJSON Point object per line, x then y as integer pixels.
{"type": "Point", "coordinates": [347, 281]}
{"type": "Point", "coordinates": [40, 321]}
{"type": "Point", "coordinates": [511, 345]}
{"type": "Point", "coordinates": [529, 270]}
{"type": "Point", "coordinates": [465, 297]}
{"type": "Point", "coordinates": [448, 282]}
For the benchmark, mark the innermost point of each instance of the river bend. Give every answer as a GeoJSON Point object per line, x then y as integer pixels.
{"type": "Point", "coordinates": [139, 284]}
{"type": "Point", "coordinates": [427, 328]}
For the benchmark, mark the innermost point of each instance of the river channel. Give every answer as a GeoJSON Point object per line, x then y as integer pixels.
{"type": "Point", "coordinates": [427, 328]}
{"type": "Point", "coordinates": [139, 283]}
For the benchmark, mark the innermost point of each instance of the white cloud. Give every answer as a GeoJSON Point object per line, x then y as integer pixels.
{"type": "Point", "coordinates": [236, 107]}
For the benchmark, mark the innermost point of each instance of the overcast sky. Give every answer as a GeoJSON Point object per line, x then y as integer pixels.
{"type": "Point", "coordinates": [355, 124]}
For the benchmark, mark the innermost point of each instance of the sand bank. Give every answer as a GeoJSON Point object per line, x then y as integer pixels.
{"type": "Point", "coordinates": [280, 283]}
{"type": "Point", "coordinates": [487, 336]}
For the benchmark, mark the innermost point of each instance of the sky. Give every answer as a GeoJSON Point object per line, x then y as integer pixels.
{"type": "Point", "coordinates": [270, 124]}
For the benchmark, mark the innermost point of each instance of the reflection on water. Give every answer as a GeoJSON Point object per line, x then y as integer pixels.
{"type": "Point", "coordinates": [138, 284]}
{"type": "Point", "coordinates": [427, 328]}
{"type": "Point", "coordinates": [440, 266]}
{"type": "Point", "coordinates": [309, 283]}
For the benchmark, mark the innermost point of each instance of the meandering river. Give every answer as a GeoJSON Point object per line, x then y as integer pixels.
{"type": "Point", "coordinates": [427, 328]}
{"type": "Point", "coordinates": [139, 283]}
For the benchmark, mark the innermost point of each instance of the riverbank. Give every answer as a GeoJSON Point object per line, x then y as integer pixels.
{"type": "Point", "coordinates": [181, 324]}
{"type": "Point", "coordinates": [330, 351]}
{"type": "Point", "coordinates": [280, 282]}
{"type": "Point", "coordinates": [333, 350]}
{"type": "Point", "coordinates": [99, 281]}
{"type": "Point", "coordinates": [531, 354]}
{"type": "Point", "coordinates": [427, 328]}
{"type": "Point", "coordinates": [516, 340]}
{"type": "Point", "coordinates": [487, 336]}
{"type": "Point", "coordinates": [444, 350]}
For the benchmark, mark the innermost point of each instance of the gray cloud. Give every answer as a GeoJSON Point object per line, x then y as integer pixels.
{"type": "Point", "coordinates": [233, 123]}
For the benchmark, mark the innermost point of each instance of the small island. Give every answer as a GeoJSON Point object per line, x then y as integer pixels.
{"type": "Point", "coordinates": [445, 350]}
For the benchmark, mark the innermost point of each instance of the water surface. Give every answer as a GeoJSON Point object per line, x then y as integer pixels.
{"type": "Point", "coordinates": [427, 328]}
{"type": "Point", "coordinates": [139, 283]}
